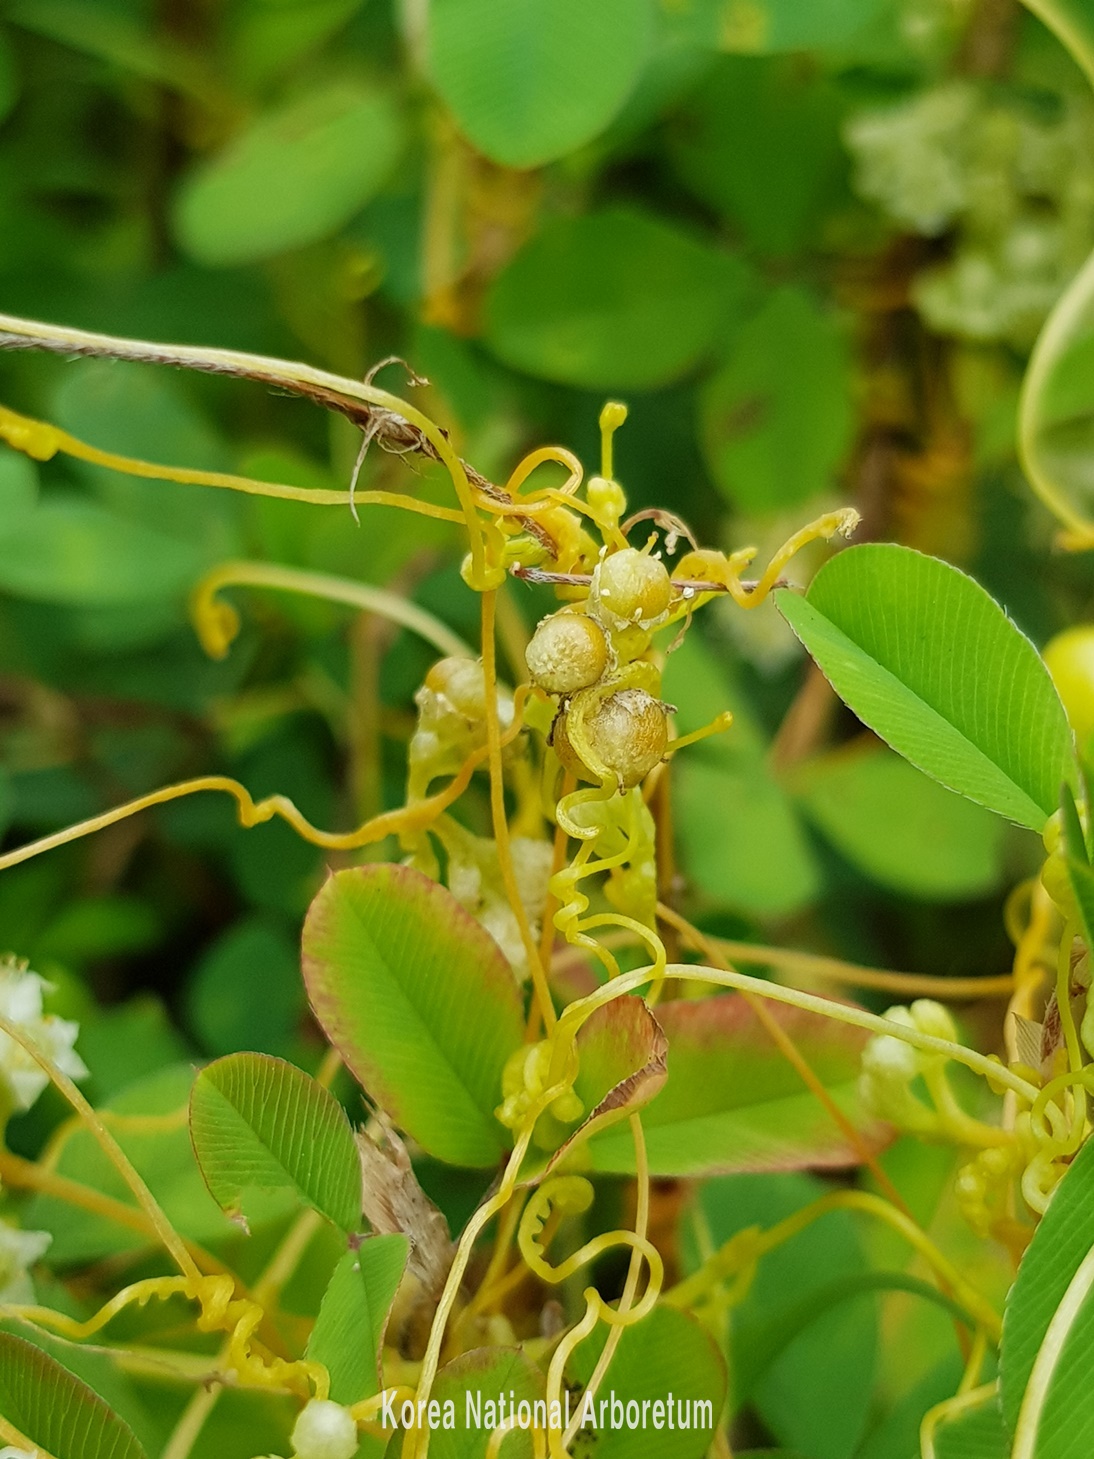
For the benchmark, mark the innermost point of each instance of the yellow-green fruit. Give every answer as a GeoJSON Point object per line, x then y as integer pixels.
{"type": "Point", "coordinates": [626, 734]}
{"type": "Point", "coordinates": [631, 587]}
{"type": "Point", "coordinates": [462, 684]}
{"type": "Point", "coordinates": [1070, 660]}
{"type": "Point", "coordinates": [567, 652]}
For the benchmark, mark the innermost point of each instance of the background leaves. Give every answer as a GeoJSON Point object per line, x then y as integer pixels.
{"type": "Point", "coordinates": [528, 82]}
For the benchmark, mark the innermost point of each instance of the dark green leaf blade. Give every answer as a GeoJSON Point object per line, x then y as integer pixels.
{"type": "Point", "coordinates": [261, 1125]}
{"type": "Point", "coordinates": [1062, 1245]}
{"type": "Point", "coordinates": [576, 306]}
{"type": "Point", "coordinates": [51, 1407]}
{"type": "Point", "coordinates": [419, 1001]}
{"type": "Point", "coordinates": [933, 665]}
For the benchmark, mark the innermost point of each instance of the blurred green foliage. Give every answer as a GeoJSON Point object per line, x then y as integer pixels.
{"type": "Point", "coordinates": [752, 220]}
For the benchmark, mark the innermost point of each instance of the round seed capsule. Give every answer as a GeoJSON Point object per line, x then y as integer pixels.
{"type": "Point", "coordinates": [1069, 658]}
{"type": "Point", "coordinates": [567, 652]}
{"type": "Point", "coordinates": [631, 587]}
{"type": "Point", "coordinates": [626, 735]}
{"type": "Point", "coordinates": [462, 684]}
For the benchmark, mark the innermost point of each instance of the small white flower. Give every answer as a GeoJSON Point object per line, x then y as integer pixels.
{"type": "Point", "coordinates": [18, 1251]}
{"type": "Point", "coordinates": [8, 1452]}
{"type": "Point", "coordinates": [21, 1079]}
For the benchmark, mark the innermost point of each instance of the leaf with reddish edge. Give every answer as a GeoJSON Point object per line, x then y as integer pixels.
{"type": "Point", "coordinates": [732, 1102]}
{"type": "Point", "coordinates": [419, 1001]}
{"type": "Point", "coordinates": [621, 1048]}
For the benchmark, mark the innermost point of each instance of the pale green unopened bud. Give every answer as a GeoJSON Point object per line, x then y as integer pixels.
{"type": "Point", "coordinates": [325, 1430]}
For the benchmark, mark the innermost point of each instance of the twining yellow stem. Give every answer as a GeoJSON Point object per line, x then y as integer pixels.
{"type": "Point", "coordinates": [790, 1051]}
{"type": "Point", "coordinates": [336, 391]}
{"type": "Point", "coordinates": [911, 985]}
{"type": "Point", "coordinates": [252, 813]}
{"type": "Point", "coordinates": [11, 1435]}
{"type": "Point", "coordinates": [282, 1265]}
{"type": "Point", "coordinates": [949, 1411]}
{"type": "Point", "coordinates": [416, 1444]}
{"type": "Point", "coordinates": [42, 441]}
{"type": "Point", "coordinates": [500, 818]}
{"type": "Point", "coordinates": [157, 1219]}
{"type": "Point", "coordinates": [207, 611]}
{"type": "Point", "coordinates": [686, 1293]}
{"type": "Point", "coordinates": [23, 1174]}
{"type": "Point", "coordinates": [630, 1286]}
{"type": "Point", "coordinates": [577, 1012]}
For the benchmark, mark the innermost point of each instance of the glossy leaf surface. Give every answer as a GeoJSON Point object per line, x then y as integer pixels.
{"type": "Point", "coordinates": [933, 665]}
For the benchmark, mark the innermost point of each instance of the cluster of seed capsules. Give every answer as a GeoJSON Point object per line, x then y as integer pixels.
{"type": "Point", "coordinates": [611, 725]}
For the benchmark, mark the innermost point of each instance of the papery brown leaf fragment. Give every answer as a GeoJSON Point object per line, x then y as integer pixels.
{"type": "Point", "coordinates": [394, 1203]}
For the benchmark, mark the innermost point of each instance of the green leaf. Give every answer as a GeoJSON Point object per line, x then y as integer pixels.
{"type": "Point", "coordinates": [759, 142]}
{"type": "Point", "coordinates": [976, 1433]}
{"type": "Point", "coordinates": [771, 26]}
{"type": "Point", "coordinates": [932, 664]}
{"type": "Point", "coordinates": [814, 1393]}
{"type": "Point", "coordinates": [577, 304]}
{"type": "Point", "coordinates": [51, 1407]}
{"type": "Point", "coordinates": [72, 551]}
{"type": "Point", "coordinates": [101, 31]}
{"type": "Point", "coordinates": [294, 176]}
{"type": "Point", "coordinates": [530, 80]}
{"type": "Point", "coordinates": [419, 1001]}
{"type": "Point", "coordinates": [741, 842]}
{"type": "Point", "coordinates": [732, 1102]}
{"type": "Point", "coordinates": [260, 1125]}
{"type": "Point", "coordinates": [163, 1155]}
{"type": "Point", "coordinates": [667, 1353]}
{"type": "Point", "coordinates": [18, 473]}
{"type": "Point", "coordinates": [95, 1368]}
{"type": "Point", "coordinates": [349, 1332]}
{"type": "Point", "coordinates": [902, 829]}
{"type": "Point", "coordinates": [271, 39]}
{"type": "Point", "coordinates": [132, 411]}
{"type": "Point", "coordinates": [9, 77]}
{"type": "Point", "coordinates": [777, 418]}
{"type": "Point", "coordinates": [478, 1377]}
{"type": "Point", "coordinates": [245, 993]}
{"type": "Point", "coordinates": [1048, 1325]}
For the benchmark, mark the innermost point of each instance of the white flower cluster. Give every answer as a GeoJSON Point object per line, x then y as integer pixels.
{"type": "Point", "coordinates": [1017, 187]}
{"type": "Point", "coordinates": [18, 1251]}
{"type": "Point", "coordinates": [21, 1078]}
{"type": "Point", "coordinates": [890, 1064]}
